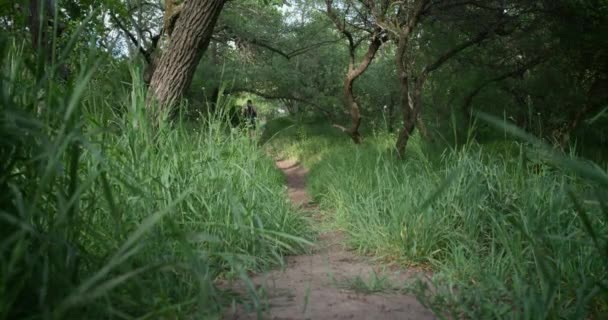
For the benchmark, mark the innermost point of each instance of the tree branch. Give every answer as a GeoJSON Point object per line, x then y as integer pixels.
{"type": "Point", "coordinates": [340, 25]}
{"type": "Point", "coordinates": [266, 95]}
{"type": "Point", "coordinates": [147, 55]}
{"type": "Point", "coordinates": [454, 51]}
{"type": "Point", "coordinates": [280, 97]}
{"type": "Point", "coordinates": [290, 54]}
{"type": "Point", "coordinates": [374, 45]}
{"type": "Point", "coordinates": [510, 74]}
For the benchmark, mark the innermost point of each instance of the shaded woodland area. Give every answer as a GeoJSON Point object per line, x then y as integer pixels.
{"type": "Point", "coordinates": [464, 138]}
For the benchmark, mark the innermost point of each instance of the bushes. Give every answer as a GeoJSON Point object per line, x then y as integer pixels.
{"type": "Point", "coordinates": [103, 217]}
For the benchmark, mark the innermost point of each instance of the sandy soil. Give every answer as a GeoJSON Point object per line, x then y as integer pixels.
{"type": "Point", "coordinates": [319, 285]}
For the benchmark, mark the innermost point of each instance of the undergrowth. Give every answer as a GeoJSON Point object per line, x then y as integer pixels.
{"type": "Point", "coordinates": [515, 231]}
{"type": "Point", "coordinates": [105, 217]}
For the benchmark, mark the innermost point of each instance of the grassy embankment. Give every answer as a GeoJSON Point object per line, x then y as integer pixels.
{"type": "Point", "coordinates": [510, 229]}
{"type": "Point", "coordinates": [104, 217]}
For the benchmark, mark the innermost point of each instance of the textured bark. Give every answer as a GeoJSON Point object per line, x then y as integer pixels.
{"type": "Point", "coordinates": [172, 13]}
{"type": "Point", "coordinates": [190, 38]}
{"type": "Point", "coordinates": [152, 54]}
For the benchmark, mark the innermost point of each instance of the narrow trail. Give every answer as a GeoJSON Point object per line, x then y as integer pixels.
{"type": "Point", "coordinates": [316, 285]}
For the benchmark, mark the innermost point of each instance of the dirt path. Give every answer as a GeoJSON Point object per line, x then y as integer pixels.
{"type": "Point", "coordinates": [323, 284]}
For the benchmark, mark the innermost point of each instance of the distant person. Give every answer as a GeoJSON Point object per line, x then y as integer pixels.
{"type": "Point", "coordinates": [250, 114]}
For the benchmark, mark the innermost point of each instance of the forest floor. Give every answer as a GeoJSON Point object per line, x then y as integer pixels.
{"type": "Point", "coordinates": [330, 281]}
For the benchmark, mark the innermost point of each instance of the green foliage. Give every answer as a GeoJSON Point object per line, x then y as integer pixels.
{"type": "Point", "coordinates": [507, 234]}
{"type": "Point", "coordinates": [295, 64]}
{"type": "Point", "coordinates": [103, 216]}
{"type": "Point", "coordinates": [306, 140]}
{"type": "Point", "coordinates": [374, 283]}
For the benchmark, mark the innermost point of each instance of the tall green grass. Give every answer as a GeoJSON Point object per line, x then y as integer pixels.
{"type": "Point", "coordinates": [104, 217]}
{"type": "Point", "coordinates": [509, 235]}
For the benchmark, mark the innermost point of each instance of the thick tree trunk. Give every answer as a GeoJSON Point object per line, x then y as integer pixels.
{"type": "Point", "coordinates": [190, 38]}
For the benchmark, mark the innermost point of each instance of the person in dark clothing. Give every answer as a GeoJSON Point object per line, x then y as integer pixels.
{"type": "Point", "coordinates": [250, 114]}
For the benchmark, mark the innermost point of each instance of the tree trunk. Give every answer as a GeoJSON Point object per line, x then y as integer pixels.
{"type": "Point", "coordinates": [411, 113]}
{"type": "Point", "coordinates": [350, 102]}
{"type": "Point", "coordinates": [353, 74]}
{"type": "Point", "coordinates": [190, 38]}
{"type": "Point", "coordinates": [411, 103]}
{"type": "Point", "coordinates": [353, 107]}
{"type": "Point", "coordinates": [152, 56]}
{"type": "Point", "coordinates": [408, 107]}
{"type": "Point", "coordinates": [409, 118]}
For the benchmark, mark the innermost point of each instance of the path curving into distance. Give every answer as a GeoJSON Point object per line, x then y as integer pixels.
{"type": "Point", "coordinates": [323, 283]}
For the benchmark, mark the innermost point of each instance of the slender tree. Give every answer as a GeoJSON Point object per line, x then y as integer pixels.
{"type": "Point", "coordinates": [406, 26]}
{"type": "Point", "coordinates": [374, 35]}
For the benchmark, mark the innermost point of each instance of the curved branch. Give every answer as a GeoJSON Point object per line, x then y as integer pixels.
{"type": "Point", "coordinates": [267, 95]}
{"type": "Point", "coordinates": [454, 51]}
{"type": "Point", "coordinates": [340, 25]}
{"type": "Point", "coordinates": [270, 96]}
{"type": "Point", "coordinates": [284, 54]}
{"type": "Point", "coordinates": [510, 74]}
{"type": "Point", "coordinates": [147, 55]}
{"type": "Point", "coordinates": [268, 47]}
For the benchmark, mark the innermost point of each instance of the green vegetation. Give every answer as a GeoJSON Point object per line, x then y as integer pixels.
{"type": "Point", "coordinates": [367, 285]}
{"type": "Point", "coordinates": [464, 138]}
{"type": "Point", "coordinates": [508, 231]}
{"type": "Point", "coordinates": [105, 217]}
